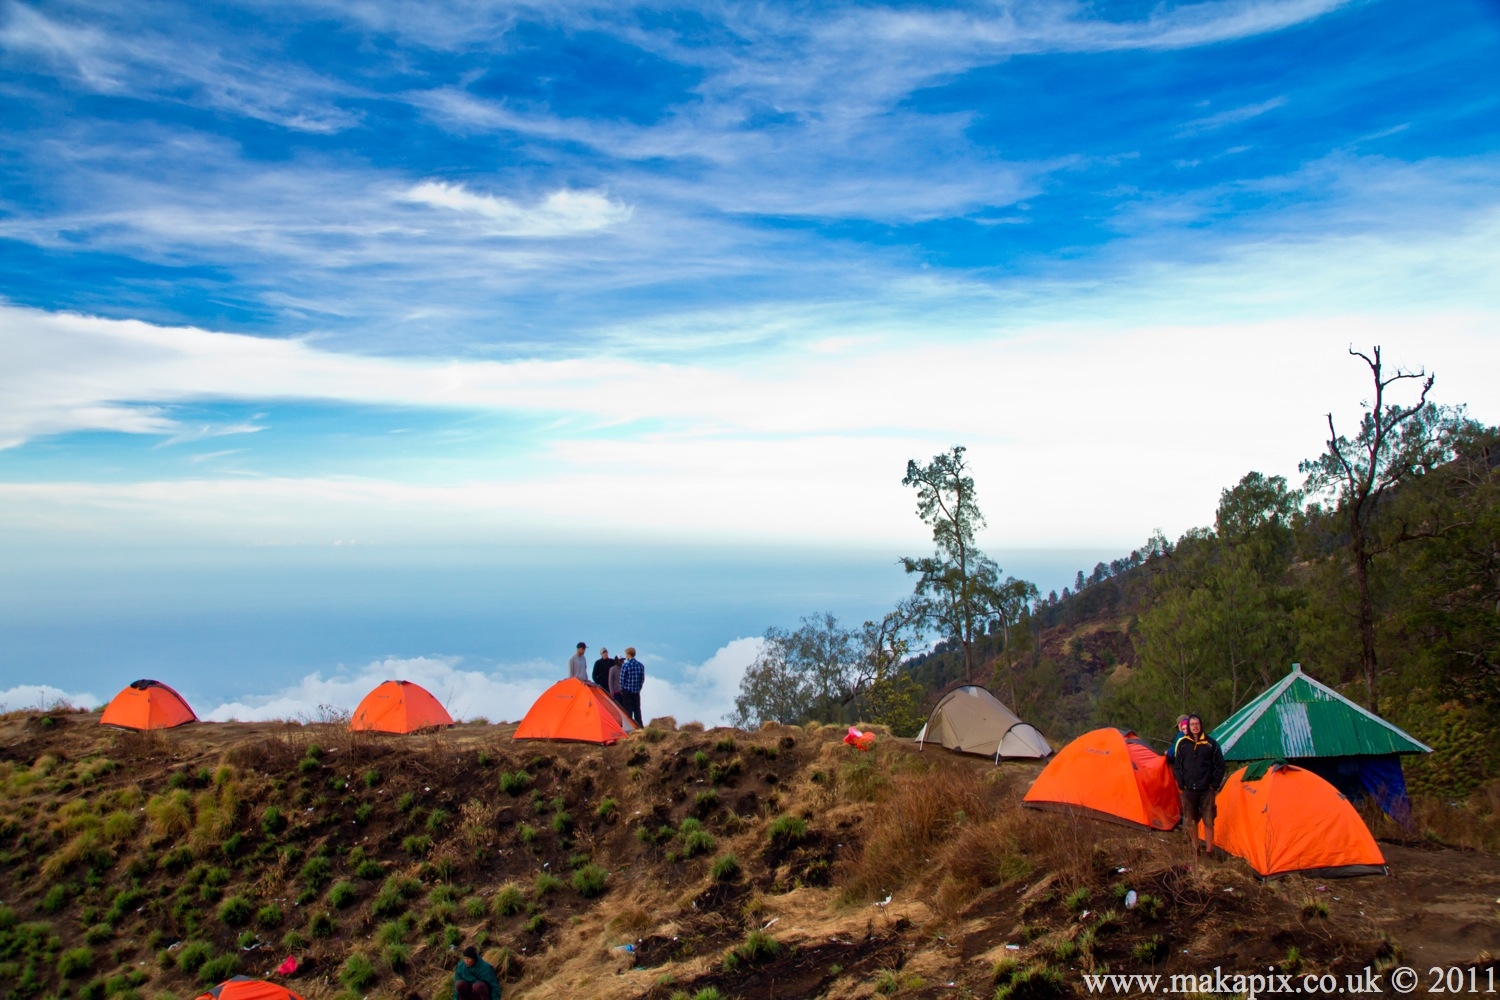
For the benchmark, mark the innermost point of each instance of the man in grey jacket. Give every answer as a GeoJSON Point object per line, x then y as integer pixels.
{"type": "Point", "coordinates": [578, 666]}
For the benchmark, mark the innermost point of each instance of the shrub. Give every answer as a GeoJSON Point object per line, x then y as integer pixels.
{"type": "Point", "coordinates": [216, 970]}
{"type": "Point", "coordinates": [320, 924]}
{"type": "Point", "coordinates": [475, 908]}
{"type": "Point", "coordinates": [514, 783]}
{"type": "Point", "coordinates": [758, 946]}
{"type": "Point", "coordinates": [417, 844]}
{"type": "Point", "coordinates": [700, 759]}
{"type": "Point", "coordinates": [725, 868]}
{"type": "Point", "coordinates": [235, 911]}
{"type": "Point", "coordinates": [232, 846]}
{"type": "Point", "coordinates": [536, 924]}
{"type": "Point", "coordinates": [397, 956]}
{"type": "Point", "coordinates": [406, 802]}
{"type": "Point", "coordinates": [508, 901]}
{"type": "Point", "coordinates": [293, 941]}
{"type": "Point", "coordinates": [169, 815]}
{"type": "Point", "coordinates": [607, 810]}
{"type": "Point", "coordinates": [363, 812]}
{"type": "Point", "coordinates": [545, 883]}
{"type": "Point", "coordinates": [269, 916]}
{"type": "Point", "coordinates": [589, 881]}
{"type": "Point", "coordinates": [1314, 908]}
{"type": "Point", "coordinates": [56, 898]}
{"type": "Point", "coordinates": [1031, 982]}
{"type": "Point", "coordinates": [562, 822]}
{"type": "Point", "coordinates": [788, 830]}
{"type": "Point", "coordinates": [705, 802]}
{"type": "Point", "coordinates": [528, 834]}
{"type": "Point", "coordinates": [1150, 950]}
{"type": "Point", "coordinates": [726, 744]}
{"type": "Point", "coordinates": [316, 872]}
{"type": "Point", "coordinates": [216, 877]}
{"type": "Point", "coordinates": [342, 894]}
{"type": "Point", "coordinates": [358, 973]}
{"type": "Point", "coordinates": [697, 842]}
{"type": "Point", "coordinates": [1077, 899]}
{"type": "Point", "coordinates": [191, 956]}
{"type": "Point", "coordinates": [272, 821]}
{"type": "Point", "coordinates": [98, 934]}
{"type": "Point", "coordinates": [371, 778]}
{"type": "Point", "coordinates": [369, 868]}
{"type": "Point", "coordinates": [436, 819]}
{"type": "Point", "coordinates": [75, 962]}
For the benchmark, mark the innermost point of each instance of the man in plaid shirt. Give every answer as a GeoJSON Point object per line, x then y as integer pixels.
{"type": "Point", "coordinates": [632, 678]}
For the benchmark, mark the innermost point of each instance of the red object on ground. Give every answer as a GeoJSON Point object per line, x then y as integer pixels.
{"type": "Point", "coordinates": [147, 705]}
{"type": "Point", "coordinates": [1113, 775]}
{"type": "Point", "coordinates": [855, 738]}
{"type": "Point", "coordinates": [288, 967]}
{"type": "Point", "coordinates": [399, 707]}
{"type": "Point", "coordinates": [1290, 820]}
{"type": "Point", "coordinates": [245, 988]}
{"type": "Point", "coordinates": [573, 709]}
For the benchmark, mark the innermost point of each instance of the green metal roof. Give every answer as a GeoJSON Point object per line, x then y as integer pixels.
{"type": "Point", "coordinates": [1299, 717]}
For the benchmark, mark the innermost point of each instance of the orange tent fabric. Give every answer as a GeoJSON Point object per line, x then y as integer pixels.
{"type": "Point", "coordinates": [147, 705]}
{"type": "Point", "coordinates": [1291, 820]}
{"type": "Point", "coordinates": [1112, 775]}
{"type": "Point", "coordinates": [245, 988]}
{"type": "Point", "coordinates": [399, 707]}
{"type": "Point", "coordinates": [573, 709]}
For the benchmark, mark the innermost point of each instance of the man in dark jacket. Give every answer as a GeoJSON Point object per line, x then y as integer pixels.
{"type": "Point", "coordinates": [475, 979]}
{"type": "Point", "coordinates": [1198, 766]}
{"type": "Point", "coordinates": [602, 667]}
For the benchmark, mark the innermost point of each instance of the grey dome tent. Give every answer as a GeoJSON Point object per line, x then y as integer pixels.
{"type": "Point", "coordinates": [971, 720]}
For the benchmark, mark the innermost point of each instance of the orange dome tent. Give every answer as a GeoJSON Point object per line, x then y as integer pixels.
{"type": "Point", "coordinates": [1113, 775]}
{"type": "Point", "coordinates": [147, 705]}
{"type": "Point", "coordinates": [1283, 819]}
{"type": "Point", "coordinates": [573, 709]}
{"type": "Point", "coordinates": [399, 707]}
{"type": "Point", "coordinates": [245, 988]}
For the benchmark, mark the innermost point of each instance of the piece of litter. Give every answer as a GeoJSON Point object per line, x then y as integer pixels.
{"type": "Point", "coordinates": [1229, 888]}
{"type": "Point", "coordinates": [626, 948]}
{"type": "Point", "coordinates": [884, 902]}
{"type": "Point", "coordinates": [1121, 871]}
{"type": "Point", "coordinates": [769, 923]}
{"type": "Point", "coordinates": [1085, 914]}
{"type": "Point", "coordinates": [1130, 898]}
{"type": "Point", "coordinates": [1012, 947]}
{"type": "Point", "coordinates": [1321, 888]}
{"type": "Point", "coordinates": [288, 967]}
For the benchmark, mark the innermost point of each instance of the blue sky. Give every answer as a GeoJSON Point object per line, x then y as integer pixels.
{"type": "Point", "coordinates": [433, 275]}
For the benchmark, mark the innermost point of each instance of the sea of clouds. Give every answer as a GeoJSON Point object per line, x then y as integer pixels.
{"type": "Point", "coordinates": [703, 692]}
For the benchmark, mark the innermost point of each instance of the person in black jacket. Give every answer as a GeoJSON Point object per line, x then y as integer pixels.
{"type": "Point", "coordinates": [602, 667]}
{"type": "Point", "coordinates": [1198, 766]}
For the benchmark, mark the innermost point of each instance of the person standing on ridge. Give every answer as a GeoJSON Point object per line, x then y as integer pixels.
{"type": "Point", "coordinates": [1181, 732]}
{"type": "Point", "coordinates": [1198, 765]}
{"type": "Point", "coordinates": [632, 678]}
{"type": "Point", "coordinates": [578, 666]}
{"type": "Point", "coordinates": [475, 979]}
{"type": "Point", "coordinates": [602, 667]}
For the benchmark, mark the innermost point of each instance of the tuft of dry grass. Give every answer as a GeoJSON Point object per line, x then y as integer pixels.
{"type": "Point", "coordinates": [666, 723]}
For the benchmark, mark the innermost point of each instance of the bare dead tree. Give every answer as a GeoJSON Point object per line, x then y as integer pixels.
{"type": "Point", "coordinates": [1393, 442]}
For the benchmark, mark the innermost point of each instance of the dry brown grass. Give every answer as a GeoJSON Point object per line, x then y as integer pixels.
{"type": "Point", "coordinates": [1472, 823]}
{"type": "Point", "coordinates": [910, 825]}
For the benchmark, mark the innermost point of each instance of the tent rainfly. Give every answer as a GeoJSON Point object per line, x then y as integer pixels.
{"type": "Point", "coordinates": [1283, 819]}
{"type": "Point", "coordinates": [245, 988]}
{"type": "Point", "coordinates": [147, 704]}
{"type": "Point", "coordinates": [399, 707]}
{"type": "Point", "coordinates": [1109, 774]}
{"type": "Point", "coordinates": [971, 720]}
{"type": "Point", "coordinates": [1311, 725]}
{"type": "Point", "coordinates": [575, 710]}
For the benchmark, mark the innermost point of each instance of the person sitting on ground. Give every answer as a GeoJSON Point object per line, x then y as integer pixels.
{"type": "Point", "coordinates": [1198, 766]}
{"type": "Point", "coordinates": [578, 666]}
{"type": "Point", "coordinates": [1181, 732]}
{"type": "Point", "coordinates": [602, 667]}
{"type": "Point", "coordinates": [475, 979]}
{"type": "Point", "coordinates": [632, 678]}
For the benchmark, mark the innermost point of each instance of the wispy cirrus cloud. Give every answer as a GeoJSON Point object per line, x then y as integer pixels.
{"type": "Point", "coordinates": [561, 213]}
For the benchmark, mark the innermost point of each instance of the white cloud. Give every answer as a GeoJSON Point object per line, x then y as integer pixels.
{"type": "Point", "coordinates": [42, 696]}
{"type": "Point", "coordinates": [561, 213]}
{"type": "Point", "coordinates": [703, 692]}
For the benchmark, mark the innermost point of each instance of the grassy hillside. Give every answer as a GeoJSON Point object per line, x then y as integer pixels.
{"type": "Point", "coordinates": [751, 864]}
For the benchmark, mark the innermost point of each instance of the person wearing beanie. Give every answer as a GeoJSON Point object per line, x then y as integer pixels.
{"type": "Point", "coordinates": [475, 979]}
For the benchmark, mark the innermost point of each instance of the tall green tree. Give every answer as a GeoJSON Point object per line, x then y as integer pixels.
{"type": "Point", "coordinates": [1394, 444]}
{"type": "Point", "coordinates": [958, 585]}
